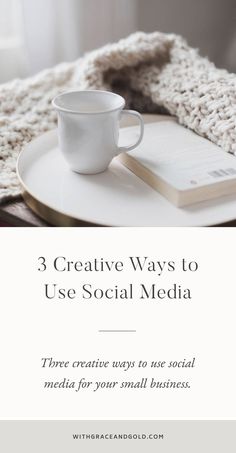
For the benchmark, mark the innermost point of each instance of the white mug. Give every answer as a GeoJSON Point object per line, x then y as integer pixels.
{"type": "Point", "coordinates": [88, 128]}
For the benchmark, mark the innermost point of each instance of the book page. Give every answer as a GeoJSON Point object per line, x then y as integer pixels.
{"type": "Point", "coordinates": [182, 158]}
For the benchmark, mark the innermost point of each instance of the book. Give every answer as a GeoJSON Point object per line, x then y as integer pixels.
{"type": "Point", "coordinates": [181, 165]}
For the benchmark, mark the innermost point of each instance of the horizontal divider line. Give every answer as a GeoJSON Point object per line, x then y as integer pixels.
{"type": "Point", "coordinates": [116, 330]}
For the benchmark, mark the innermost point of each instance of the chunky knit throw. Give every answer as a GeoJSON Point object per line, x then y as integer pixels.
{"type": "Point", "coordinates": [155, 73]}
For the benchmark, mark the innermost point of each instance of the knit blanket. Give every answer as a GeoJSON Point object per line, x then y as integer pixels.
{"type": "Point", "coordinates": [155, 72]}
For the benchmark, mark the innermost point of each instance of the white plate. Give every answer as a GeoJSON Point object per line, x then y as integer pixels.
{"type": "Point", "coordinates": [115, 198]}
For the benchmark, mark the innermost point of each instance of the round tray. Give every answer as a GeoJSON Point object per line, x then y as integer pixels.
{"type": "Point", "coordinates": [113, 198]}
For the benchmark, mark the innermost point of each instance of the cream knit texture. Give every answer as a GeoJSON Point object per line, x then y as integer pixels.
{"type": "Point", "coordinates": [155, 72]}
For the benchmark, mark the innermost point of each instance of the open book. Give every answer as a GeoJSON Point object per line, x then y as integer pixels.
{"type": "Point", "coordinates": [181, 165]}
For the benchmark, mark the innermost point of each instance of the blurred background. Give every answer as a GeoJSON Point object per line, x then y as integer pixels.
{"type": "Point", "coordinates": [36, 34]}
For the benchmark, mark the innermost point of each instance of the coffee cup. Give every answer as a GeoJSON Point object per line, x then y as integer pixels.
{"type": "Point", "coordinates": [88, 128]}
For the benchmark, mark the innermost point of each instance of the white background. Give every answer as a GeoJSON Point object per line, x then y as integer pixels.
{"type": "Point", "coordinates": [32, 328]}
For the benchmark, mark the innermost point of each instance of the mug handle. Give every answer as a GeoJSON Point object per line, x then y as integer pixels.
{"type": "Point", "coordinates": [125, 149]}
